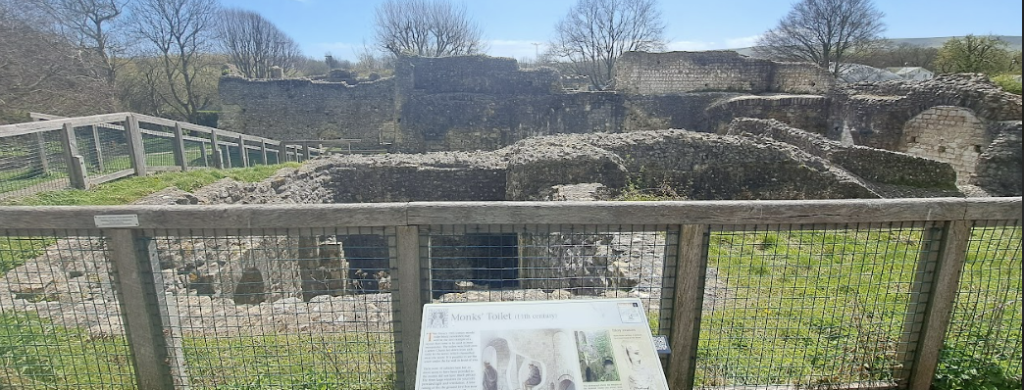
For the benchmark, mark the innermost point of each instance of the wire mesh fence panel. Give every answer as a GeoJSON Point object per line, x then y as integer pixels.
{"type": "Point", "coordinates": [807, 306]}
{"type": "Point", "coordinates": [196, 154]}
{"type": "Point", "coordinates": [482, 263]}
{"type": "Point", "coordinates": [104, 148]}
{"type": "Point", "coordinates": [159, 149]}
{"type": "Point", "coordinates": [60, 321]}
{"type": "Point", "coordinates": [281, 309]}
{"type": "Point", "coordinates": [983, 340]}
{"type": "Point", "coordinates": [32, 163]}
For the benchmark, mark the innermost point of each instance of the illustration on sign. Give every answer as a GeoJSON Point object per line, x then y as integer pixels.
{"type": "Point", "coordinates": [562, 345]}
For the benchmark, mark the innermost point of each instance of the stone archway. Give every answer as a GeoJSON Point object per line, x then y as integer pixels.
{"type": "Point", "coordinates": [953, 135]}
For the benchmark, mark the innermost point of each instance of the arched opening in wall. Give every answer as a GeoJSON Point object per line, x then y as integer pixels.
{"type": "Point", "coordinates": [948, 134]}
{"type": "Point", "coordinates": [250, 288]}
{"type": "Point", "coordinates": [473, 261]}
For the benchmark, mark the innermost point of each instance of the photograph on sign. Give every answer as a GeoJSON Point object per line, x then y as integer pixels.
{"type": "Point", "coordinates": [563, 345]}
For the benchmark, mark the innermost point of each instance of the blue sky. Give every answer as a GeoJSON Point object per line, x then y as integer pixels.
{"type": "Point", "coordinates": [511, 27]}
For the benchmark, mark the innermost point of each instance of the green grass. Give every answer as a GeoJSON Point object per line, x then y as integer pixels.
{"type": "Point", "coordinates": [36, 353]}
{"type": "Point", "coordinates": [14, 251]}
{"type": "Point", "coordinates": [824, 307]}
{"type": "Point", "coordinates": [126, 190]}
{"type": "Point", "coordinates": [1008, 83]}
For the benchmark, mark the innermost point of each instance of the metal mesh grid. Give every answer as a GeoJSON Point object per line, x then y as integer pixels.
{"type": "Point", "coordinates": [197, 153]}
{"type": "Point", "coordinates": [104, 148]}
{"type": "Point", "coordinates": [281, 309]}
{"type": "Point", "coordinates": [984, 334]}
{"type": "Point", "coordinates": [32, 163]}
{"type": "Point", "coordinates": [481, 263]}
{"type": "Point", "coordinates": [159, 149]}
{"type": "Point", "coordinates": [807, 305]}
{"type": "Point", "coordinates": [60, 322]}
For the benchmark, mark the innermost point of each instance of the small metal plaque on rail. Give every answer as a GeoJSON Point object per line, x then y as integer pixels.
{"type": "Point", "coordinates": [116, 220]}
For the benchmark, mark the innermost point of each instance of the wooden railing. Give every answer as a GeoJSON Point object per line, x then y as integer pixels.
{"type": "Point", "coordinates": [215, 147]}
{"type": "Point", "coordinates": [946, 231]}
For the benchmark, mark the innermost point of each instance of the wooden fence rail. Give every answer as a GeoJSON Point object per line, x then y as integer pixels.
{"type": "Point", "coordinates": [158, 364]}
{"type": "Point", "coordinates": [213, 145]}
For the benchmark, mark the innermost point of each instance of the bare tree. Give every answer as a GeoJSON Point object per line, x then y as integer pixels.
{"type": "Point", "coordinates": [594, 33]}
{"type": "Point", "coordinates": [254, 44]}
{"type": "Point", "coordinates": [825, 32]}
{"type": "Point", "coordinates": [180, 34]}
{"type": "Point", "coordinates": [42, 71]}
{"type": "Point", "coordinates": [94, 25]}
{"type": "Point", "coordinates": [429, 28]}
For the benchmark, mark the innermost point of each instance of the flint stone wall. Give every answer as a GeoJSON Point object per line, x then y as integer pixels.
{"type": "Point", "coordinates": [682, 72]}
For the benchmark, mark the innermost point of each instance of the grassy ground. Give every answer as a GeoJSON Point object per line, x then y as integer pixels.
{"type": "Point", "coordinates": [36, 353]}
{"type": "Point", "coordinates": [126, 190]}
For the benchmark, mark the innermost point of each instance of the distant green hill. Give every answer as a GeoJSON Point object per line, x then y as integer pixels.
{"type": "Point", "coordinates": [1012, 42]}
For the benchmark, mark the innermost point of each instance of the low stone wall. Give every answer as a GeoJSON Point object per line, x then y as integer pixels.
{"type": "Point", "coordinates": [806, 112]}
{"type": "Point", "coordinates": [876, 165]}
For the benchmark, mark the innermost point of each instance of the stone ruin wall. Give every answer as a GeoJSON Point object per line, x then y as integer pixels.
{"type": "Point", "coordinates": [485, 103]}
{"type": "Point", "coordinates": [952, 135]}
{"type": "Point", "coordinates": [682, 72]}
{"type": "Point", "coordinates": [301, 109]}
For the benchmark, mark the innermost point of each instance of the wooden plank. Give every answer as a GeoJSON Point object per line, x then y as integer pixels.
{"type": "Point", "coordinates": [408, 311]}
{"type": "Point", "coordinates": [263, 152]}
{"type": "Point", "coordinates": [44, 159]}
{"type": "Point", "coordinates": [691, 266]}
{"type": "Point", "coordinates": [75, 162]}
{"type": "Point", "coordinates": [282, 153]}
{"type": "Point", "coordinates": [136, 148]}
{"type": "Point", "coordinates": [696, 212]}
{"type": "Point", "coordinates": [94, 180]}
{"type": "Point", "coordinates": [243, 152]}
{"type": "Point", "coordinates": [939, 298]}
{"type": "Point", "coordinates": [97, 145]}
{"type": "Point", "coordinates": [179, 148]}
{"type": "Point", "coordinates": [218, 158]}
{"type": "Point", "coordinates": [35, 127]}
{"type": "Point", "coordinates": [203, 154]}
{"type": "Point", "coordinates": [508, 213]}
{"type": "Point", "coordinates": [210, 217]}
{"type": "Point", "coordinates": [995, 208]}
{"type": "Point", "coordinates": [138, 297]}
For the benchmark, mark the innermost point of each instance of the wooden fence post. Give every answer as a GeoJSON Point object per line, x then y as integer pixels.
{"type": "Point", "coordinates": [408, 311]}
{"type": "Point", "coordinates": [309, 154]}
{"type": "Point", "coordinates": [96, 142]}
{"type": "Point", "coordinates": [179, 148]}
{"type": "Point", "coordinates": [203, 154]}
{"type": "Point", "coordinates": [691, 267]}
{"type": "Point", "coordinates": [44, 159]}
{"type": "Point", "coordinates": [76, 164]}
{"type": "Point", "coordinates": [242, 151]}
{"type": "Point", "coordinates": [282, 152]}
{"type": "Point", "coordinates": [156, 353]}
{"type": "Point", "coordinates": [263, 151]}
{"type": "Point", "coordinates": [136, 148]}
{"type": "Point", "coordinates": [933, 294]}
{"type": "Point", "coordinates": [218, 158]}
